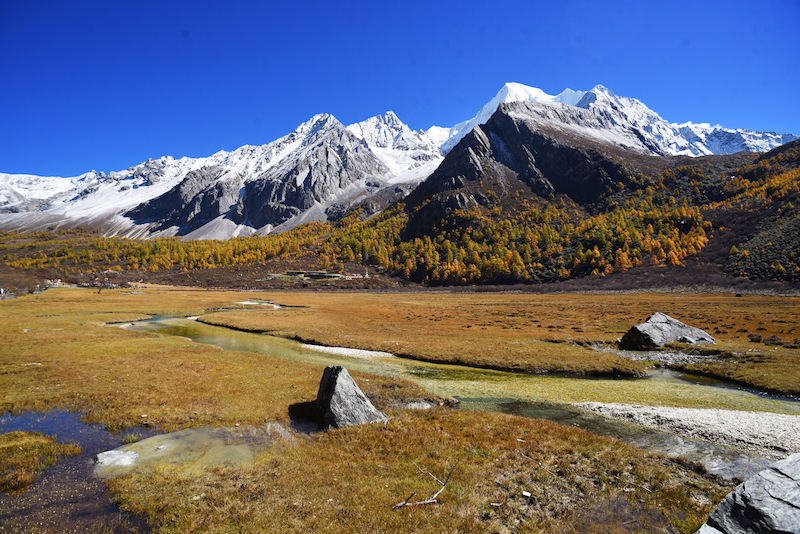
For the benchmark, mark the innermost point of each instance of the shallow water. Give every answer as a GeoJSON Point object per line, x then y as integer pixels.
{"type": "Point", "coordinates": [544, 397]}
{"type": "Point", "coordinates": [66, 498]}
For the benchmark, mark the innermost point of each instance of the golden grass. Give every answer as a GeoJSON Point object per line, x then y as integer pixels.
{"type": "Point", "coordinates": [24, 455]}
{"type": "Point", "coordinates": [773, 369]}
{"type": "Point", "coordinates": [496, 332]}
{"type": "Point", "coordinates": [348, 480]}
{"type": "Point", "coordinates": [65, 358]}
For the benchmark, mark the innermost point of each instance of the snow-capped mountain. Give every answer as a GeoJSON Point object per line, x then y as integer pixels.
{"type": "Point", "coordinates": [323, 167]}
{"type": "Point", "coordinates": [620, 117]}
{"type": "Point", "coordinates": [407, 153]}
{"type": "Point", "coordinates": [320, 166]}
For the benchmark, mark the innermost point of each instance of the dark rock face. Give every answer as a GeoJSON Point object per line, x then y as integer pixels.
{"type": "Point", "coordinates": [334, 160]}
{"type": "Point", "coordinates": [324, 162]}
{"type": "Point", "coordinates": [659, 330]}
{"type": "Point", "coordinates": [512, 151]}
{"type": "Point", "coordinates": [767, 503]}
{"type": "Point", "coordinates": [341, 402]}
{"type": "Point", "coordinates": [198, 199]}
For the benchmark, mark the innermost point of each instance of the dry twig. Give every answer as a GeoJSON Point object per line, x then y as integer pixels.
{"type": "Point", "coordinates": [432, 498]}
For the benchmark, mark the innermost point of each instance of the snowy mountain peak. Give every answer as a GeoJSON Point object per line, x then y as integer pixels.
{"type": "Point", "coordinates": [515, 92]}
{"type": "Point", "coordinates": [407, 154]}
{"type": "Point", "coordinates": [391, 118]}
{"type": "Point", "coordinates": [624, 121]}
{"type": "Point", "coordinates": [510, 92]}
{"type": "Point", "coordinates": [388, 131]}
{"type": "Point", "coordinates": [603, 89]}
{"type": "Point", "coordinates": [319, 122]}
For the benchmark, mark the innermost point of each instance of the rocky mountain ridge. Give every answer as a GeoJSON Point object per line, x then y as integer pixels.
{"type": "Point", "coordinates": [320, 166]}
{"type": "Point", "coordinates": [617, 114]}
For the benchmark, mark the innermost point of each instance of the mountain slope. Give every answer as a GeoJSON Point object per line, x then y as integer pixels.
{"type": "Point", "coordinates": [536, 148]}
{"type": "Point", "coordinates": [523, 198]}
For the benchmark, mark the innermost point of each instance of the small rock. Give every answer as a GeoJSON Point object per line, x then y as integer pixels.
{"type": "Point", "coordinates": [661, 329]}
{"type": "Point", "coordinates": [117, 458]}
{"type": "Point", "coordinates": [419, 405]}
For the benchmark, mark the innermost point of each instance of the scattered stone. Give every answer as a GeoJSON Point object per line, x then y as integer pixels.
{"type": "Point", "coordinates": [117, 458]}
{"type": "Point", "coordinates": [661, 329]}
{"type": "Point", "coordinates": [419, 405]}
{"type": "Point", "coordinates": [341, 403]}
{"type": "Point", "coordinates": [769, 435]}
{"type": "Point", "coordinates": [767, 503]}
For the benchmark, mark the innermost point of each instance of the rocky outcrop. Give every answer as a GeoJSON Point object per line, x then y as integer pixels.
{"type": "Point", "coordinates": [196, 200]}
{"type": "Point", "coordinates": [661, 329]}
{"type": "Point", "coordinates": [341, 403]}
{"type": "Point", "coordinates": [768, 503]}
{"type": "Point", "coordinates": [514, 156]}
{"type": "Point", "coordinates": [331, 159]}
{"type": "Point", "coordinates": [514, 147]}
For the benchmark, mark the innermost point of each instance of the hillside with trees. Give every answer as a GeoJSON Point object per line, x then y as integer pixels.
{"type": "Point", "coordinates": [736, 217]}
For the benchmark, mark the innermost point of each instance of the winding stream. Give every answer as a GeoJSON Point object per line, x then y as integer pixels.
{"type": "Point", "coordinates": [544, 397]}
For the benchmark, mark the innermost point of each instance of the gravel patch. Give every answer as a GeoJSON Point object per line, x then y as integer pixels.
{"type": "Point", "coordinates": [664, 357]}
{"type": "Point", "coordinates": [353, 353]}
{"type": "Point", "coordinates": [765, 434]}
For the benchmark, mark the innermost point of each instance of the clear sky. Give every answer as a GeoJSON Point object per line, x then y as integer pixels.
{"type": "Point", "coordinates": [108, 84]}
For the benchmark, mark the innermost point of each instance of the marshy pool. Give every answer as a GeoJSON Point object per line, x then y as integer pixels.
{"type": "Point", "coordinates": [67, 497]}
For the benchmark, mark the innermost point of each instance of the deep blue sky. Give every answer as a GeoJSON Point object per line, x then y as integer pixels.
{"type": "Point", "coordinates": [107, 84]}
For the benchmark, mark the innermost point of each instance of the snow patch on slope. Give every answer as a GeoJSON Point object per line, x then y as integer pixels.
{"type": "Point", "coordinates": [510, 92]}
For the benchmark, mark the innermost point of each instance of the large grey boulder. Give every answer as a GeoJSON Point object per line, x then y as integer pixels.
{"type": "Point", "coordinates": [661, 329]}
{"type": "Point", "coordinates": [767, 503]}
{"type": "Point", "coordinates": [341, 402]}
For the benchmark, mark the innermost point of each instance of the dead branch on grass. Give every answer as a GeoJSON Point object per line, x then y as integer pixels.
{"type": "Point", "coordinates": [537, 461]}
{"type": "Point", "coordinates": [433, 498]}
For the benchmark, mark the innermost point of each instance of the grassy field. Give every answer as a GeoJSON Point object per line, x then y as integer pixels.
{"type": "Point", "coordinates": [349, 480]}
{"type": "Point", "coordinates": [56, 352]}
{"type": "Point", "coordinates": [24, 455]}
